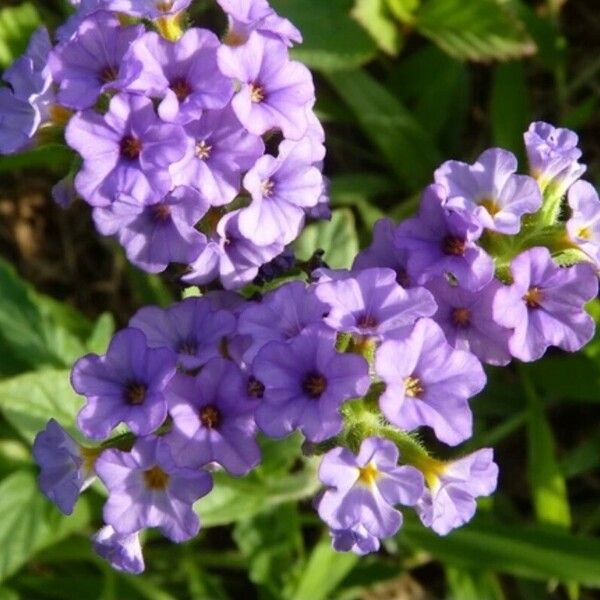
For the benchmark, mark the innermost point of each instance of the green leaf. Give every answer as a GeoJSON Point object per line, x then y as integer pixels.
{"type": "Point", "coordinates": [403, 143]}
{"type": "Point", "coordinates": [29, 522]}
{"type": "Point", "coordinates": [547, 484]}
{"type": "Point", "coordinates": [375, 17]}
{"type": "Point", "coordinates": [337, 237]}
{"type": "Point", "coordinates": [29, 400]}
{"type": "Point", "coordinates": [403, 10]}
{"type": "Point", "coordinates": [510, 110]}
{"type": "Point", "coordinates": [17, 23]}
{"type": "Point", "coordinates": [101, 334]}
{"type": "Point", "coordinates": [332, 39]}
{"type": "Point", "coordinates": [534, 552]}
{"type": "Point", "coordinates": [325, 570]}
{"type": "Point", "coordinates": [473, 585]}
{"type": "Point", "coordinates": [478, 30]}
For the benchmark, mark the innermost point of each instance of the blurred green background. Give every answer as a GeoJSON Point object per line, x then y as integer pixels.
{"type": "Point", "coordinates": [402, 85]}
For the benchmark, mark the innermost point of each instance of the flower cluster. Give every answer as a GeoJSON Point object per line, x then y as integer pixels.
{"type": "Point", "coordinates": [170, 126]}
{"type": "Point", "coordinates": [193, 150]}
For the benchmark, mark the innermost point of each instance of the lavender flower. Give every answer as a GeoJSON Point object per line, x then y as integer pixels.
{"type": "Point", "coordinates": [246, 16]}
{"type": "Point", "coordinates": [467, 320]}
{"type": "Point", "coordinates": [275, 93]}
{"type": "Point", "coordinates": [584, 225]}
{"type": "Point", "coordinates": [231, 257]}
{"type": "Point", "coordinates": [449, 500]}
{"type": "Point", "coordinates": [127, 385]}
{"type": "Point", "coordinates": [211, 421]}
{"type": "Point", "coordinates": [65, 467]}
{"type": "Point", "coordinates": [305, 383]}
{"type": "Point", "coordinates": [355, 539]}
{"type": "Point", "coordinates": [363, 490]}
{"type": "Point", "coordinates": [183, 73]}
{"type": "Point", "coordinates": [147, 489]}
{"type": "Point", "coordinates": [221, 153]}
{"type": "Point", "coordinates": [91, 62]}
{"type": "Point", "coordinates": [490, 190]}
{"type": "Point", "coordinates": [159, 232]}
{"type": "Point", "coordinates": [85, 8]}
{"type": "Point", "coordinates": [149, 9]}
{"type": "Point", "coordinates": [123, 552]}
{"type": "Point", "coordinates": [553, 156]}
{"type": "Point", "coordinates": [545, 305]}
{"type": "Point", "coordinates": [282, 315]}
{"type": "Point", "coordinates": [371, 304]}
{"type": "Point", "coordinates": [441, 241]}
{"type": "Point", "coordinates": [127, 151]}
{"type": "Point", "coordinates": [281, 189]}
{"type": "Point", "coordinates": [429, 383]}
{"type": "Point", "coordinates": [191, 329]}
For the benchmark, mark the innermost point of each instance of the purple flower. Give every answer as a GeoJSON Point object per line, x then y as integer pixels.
{"type": "Point", "coordinates": [128, 151]}
{"type": "Point", "coordinates": [85, 8]}
{"type": "Point", "coordinates": [306, 381]}
{"type": "Point", "coordinates": [383, 253]}
{"type": "Point", "coordinates": [545, 305]}
{"type": "Point", "coordinates": [147, 489]}
{"type": "Point", "coordinates": [211, 420]}
{"type": "Point", "coordinates": [449, 500]}
{"type": "Point", "coordinates": [159, 232]}
{"type": "Point", "coordinates": [354, 539]}
{"type": "Point", "coordinates": [126, 385]}
{"type": "Point", "coordinates": [63, 192]}
{"type": "Point", "coordinates": [371, 304]}
{"type": "Point", "coordinates": [281, 189]}
{"type": "Point", "coordinates": [183, 73]}
{"type": "Point", "coordinates": [441, 241]}
{"type": "Point", "coordinates": [221, 153]}
{"type": "Point", "coordinates": [246, 16]}
{"type": "Point", "coordinates": [553, 154]}
{"type": "Point", "coordinates": [275, 93]}
{"type": "Point", "coordinates": [467, 320]}
{"type": "Point", "coordinates": [281, 315]}
{"type": "Point", "coordinates": [65, 468]}
{"type": "Point", "coordinates": [19, 122]}
{"type": "Point", "coordinates": [490, 190]}
{"type": "Point", "coordinates": [123, 552]}
{"type": "Point", "coordinates": [363, 490]}
{"type": "Point", "coordinates": [231, 257]}
{"type": "Point", "coordinates": [191, 329]}
{"type": "Point", "coordinates": [428, 382]}
{"type": "Point", "coordinates": [584, 225]}
{"type": "Point", "coordinates": [149, 9]}
{"type": "Point", "coordinates": [90, 63]}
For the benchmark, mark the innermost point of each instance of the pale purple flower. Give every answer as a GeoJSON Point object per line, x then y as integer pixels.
{"type": "Point", "coordinates": [306, 381]}
{"type": "Point", "coordinates": [553, 156]}
{"type": "Point", "coordinates": [159, 232]}
{"type": "Point", "coordinates": [584, 225]}
{"type": "Point", "coordinates": [65, 470]}
{"type": "Point", "coordinates": [281, 188]}
{"type": "Point", "coordinates": [212, 422]}
{"type": "Point", "coordinates": [490, 190]}
{"type": "Point", "coordinates": [371, 304]}
{"type": "Point", "coordinates": [191, 329]}
{"type": "Point", "coordinates": [468, 322]}
{"type": "Point", "coordinates": [149, 9]}
{"type": "Point", "coordinates": [355, 539]}
{"type": "Point", "coordinates": [123, 552]}
{"type": "Point", "coordinates": [19, 122]}
{"type": "Point", "coordinates": [282, 315]}
{"type": "Point", "coordinates": [184, 74]}
{"type": "Point", "coordinates": [147, 489]}
{"type": "Point", "coordinates": [91, 62]}
{"type": "Point", "coordinates": [428, 382]}
{"type": "Point", "coordinates": [246, 16]}
{"type": "Point", "coordinates": [222, 151]}
{"type": "Point", "coordinates": [383, 253]}
{"type": "Point", "coordinates": [441, 241]}
{"type": "Point", "coordinates": [126, 151]}
{"type": "Point", "coordinates": [449, 499]}
{"type": "Point", "coordinates": [362, 490]}
{"type": "Point", "coordinates": [545, 305]}
{"type": "Point", "coordinates": [231, 257]}
{"type": "Point", "coordinates": [127, 384]}
{"type": "Point", "coordinates": [85, 8]}
{"type": "Point", "coordinates": [275, 93]}
{"type": "Point", "coordinates": [63, 192]}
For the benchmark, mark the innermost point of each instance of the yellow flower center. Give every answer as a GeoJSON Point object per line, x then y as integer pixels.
{"type": "Point", "coordinates": [257, 93]}
{"type": "Point", "coordinates": [490, 205]}
{"type": "Point", "coordinates": [368, 475]}
{"type": "Point", "coordinates": [203, 150]}
{"type": "Point", "coordinates": [413, 387]}
{"type": "Point", "coordinates": [533, 297]}
{"type": "Point", "coordinates": [584, 233]}
{"type": "Point", "coordinates": [156, 479]}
